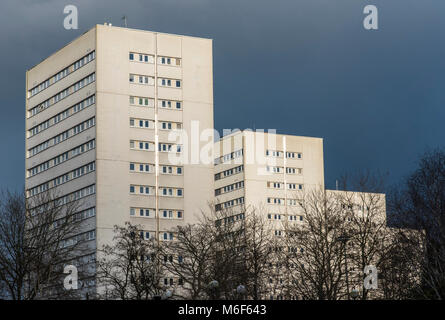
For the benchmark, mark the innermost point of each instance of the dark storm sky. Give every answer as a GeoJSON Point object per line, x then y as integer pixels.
{"type": "Point", "coordinates": [303, 67]}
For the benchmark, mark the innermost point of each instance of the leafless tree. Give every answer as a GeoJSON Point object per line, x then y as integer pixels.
{"type": "Point", "coordinates": [258, 252]}
{"type": "Point", "coordinates": [314, 256]}
{"type": "Point", "coordinates": [420, 204]}
{"type": "Point", "coordinates": [130, 267]}
{"type": "Point", "coordinates": [226, 246]}
{"type": "Point", "coordinates": [38, 237]}
{"type": "Point", "coordinates": [191, 256]}
{"type": "Point", "coordinates": [369, 239]}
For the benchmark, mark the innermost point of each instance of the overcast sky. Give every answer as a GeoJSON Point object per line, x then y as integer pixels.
{"type": "Point", "coordinates": [303, 67]}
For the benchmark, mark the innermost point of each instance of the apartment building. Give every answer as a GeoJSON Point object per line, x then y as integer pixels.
{"type": "Point", "coordinates": [271, 173]}
{"type": "Point", "coordinates": [266, 170]}
{"type": "Point", "coordinates": [99, 113]}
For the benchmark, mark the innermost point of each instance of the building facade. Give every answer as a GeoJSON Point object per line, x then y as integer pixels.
{"type": "Point", "coordinates": [99, 113]}
{"type": "Point", "coordinates": [267, 170]}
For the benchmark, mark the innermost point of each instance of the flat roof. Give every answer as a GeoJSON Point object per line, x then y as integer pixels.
{"type": "Point", "coordinates": [108, 26]}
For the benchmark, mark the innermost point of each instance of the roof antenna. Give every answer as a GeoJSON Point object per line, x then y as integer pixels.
{"type": "Point", "coordinates": [125, 20]}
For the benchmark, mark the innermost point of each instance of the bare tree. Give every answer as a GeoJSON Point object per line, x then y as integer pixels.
{"type": "Point", "coordinates": [314, 256]}
{"type": "Point", "coordinates": [420, 204]}
{"type": "Point", "coordinates": [369, 238]}
{"type": "Point", "coordinates": [130, 268]}
{"type": "Point", "coordinates": [225, 246]}
{"type": "Point", "coordinates": [257, 252]}
{"type": "Point", "coordinates": [38, 237]}
{"type": "Point", "coordinates": [191, 256]}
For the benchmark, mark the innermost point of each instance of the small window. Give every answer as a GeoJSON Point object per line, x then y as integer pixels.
{"type": "Point", "coordinates": [178, 84]}
{"type": "Point", "coordinates": [131, 189]}
{"type": "Point", "coordinates": [132, 166]}
{"type": "Point", "coordinates": [131, 56]}
{"type": "Point", "coordinates": [131, 78]}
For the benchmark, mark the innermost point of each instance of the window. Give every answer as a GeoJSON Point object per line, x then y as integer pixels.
{"type": "Point", "coordinates": [131, 78]}
{"type": "Point", "coordinates": [131, 56]}
{"type": "Point", "coordinates": [179, 214]}
{"type": "Point", "coordinates": [179, 193]}
{"type": "Point", "coordinates": [131, 189]}
{"type": "Point", "coordinates": [178, 83]}
{"type": "Point", "coordinates": [131, 166]}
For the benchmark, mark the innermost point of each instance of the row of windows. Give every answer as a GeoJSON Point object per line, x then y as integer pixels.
{"type": "Point", "coordinates": [150, 81]}
{"type": "Point", "coordinates": [142, 167]}
{"type": "Point", "coordinates": [141, 123]}
{"type": "Point", "coordinates": [141, 79]}
{"type": "Point", "coordinates": [295, 218]}
{"type": "Point", "coordinates": [76, 173]}
{"type": "Point", "coordinates": [147, 235]}
{"type": "Point", "coordinates": [164, 82]}
{"type": "Point", "coordinates": [151, 213]}
{"type": "Point", "coordinates": [149, 58]}
{"type": "Point", "coordinates": [142, 145]}
{"type": "Point", "coordinates": [73, 196]}
{"type": "Point", "coordinates": [149, 168]}
{"type": "Point", "coordinates": [281, 201]}
{"type": "Point", "coordinates": [229, 204]}
{"type": "Point", "coordinates": [62, 94]}
{"type": "Point", "coordinates": [62, 116]}
{"type": "Point", "coordinates": [277, 216]}
{"type": "Point", "coordinates": [144, 123]}
{"type": "Point", "coordinates": [289, 170]}
{"type": "Point", "coordinates": [229, 172]}
{"type": "Point", "coordinates": [230, 188]}
{"type": "Point", "coordinates": [169, 147]}
{"type": "Point", "coordinates": [83, 260]}
{"type": "Point", "coordinates": [85, 214]}
{"type": "Point", "coordinates": [280, 185]}
{"type": "Point", "coordinates": [150, 146]}
{"type": "Point", "coordinates": [86, 236]}
{"type": "Point", "coordinates": [149, 190]}
{"type": "Point", "coordinates": [149, 102]}
{"type": "Point", "coordinates": [62, 137]}
{"type": "Point", "coordinates": [83, 61]}
{"type": "Point", "coordinates": [229, 156]}
{"type": "Point", "coordinates": [62, 74]}
{"type": "Point", "coordinates": [62, 158]}
{"type": "Point", "coordinates": [79, 216]}
{"type": "Point", "coordinates": [279, 154]}
{"type": "Point", "coordinates": [231, 219]}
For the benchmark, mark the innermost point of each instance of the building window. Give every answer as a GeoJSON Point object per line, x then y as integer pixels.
{"type": "Point", "coordinates": [131, 189]}
{"type": "Point", "coordinates": [131, 56]}
{"type": "Point", "coordinates": [178, 84]}
{"type": "Point", "coordinates": [131, 166]}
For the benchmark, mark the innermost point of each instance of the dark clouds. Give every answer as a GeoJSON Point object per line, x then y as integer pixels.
{"type": "Point", "coordinates": [303, 67]}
